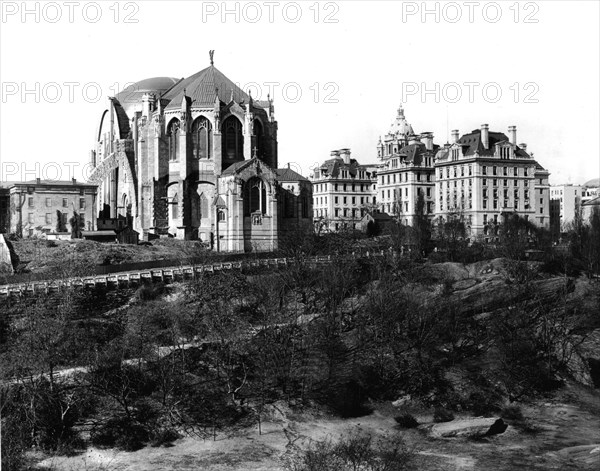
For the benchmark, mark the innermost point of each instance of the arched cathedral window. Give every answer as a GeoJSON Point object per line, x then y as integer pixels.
{"type": "Point", "coordinates": [173, 139]}
{"type": "Point", "coordinates": [233, 139]}
{"type": "Point", "coordinates": [255, 198]}
{"type": "Point", "coordinates": [202, 138]}
{"type": "Point", "coordinates": [175, 207]}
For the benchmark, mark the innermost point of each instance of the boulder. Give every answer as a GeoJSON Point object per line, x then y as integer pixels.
{"type": "Point", "coordinates": [584, 454]}
{"type": "Point", "coordinates": [402, 401]}
{"type": "Point", "coordinates": [473, 427]}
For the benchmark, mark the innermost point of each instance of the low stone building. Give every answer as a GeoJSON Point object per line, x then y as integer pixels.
{"type": "Point", "coordinates": [38, 207]}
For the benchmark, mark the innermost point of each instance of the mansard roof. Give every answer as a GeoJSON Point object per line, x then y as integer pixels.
{"type": "Point", "coordinates": [472, 144]}
{"type": "Point", "coordinates": [334, 167]}
{"type": "Point", "coordinates": [413, 153]}
{"type": "Point", "coordinates": [203, 88]}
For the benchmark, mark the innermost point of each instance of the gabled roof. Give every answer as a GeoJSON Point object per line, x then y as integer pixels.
{"type": "Point", "coordinates": [377, 216]}
{"type": "Point", "coordinates": [233, 168]}
{"type": "Point", "coordinates": [219, 202]}
{"type": "Point", "coordinates": [288, 175]}
{"type": "Point", "coordinates": [203, 87]}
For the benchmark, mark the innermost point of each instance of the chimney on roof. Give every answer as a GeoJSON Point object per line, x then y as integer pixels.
{"type": "Point", "coordinates": [345, 153]}
{"type": "Point", "coordinates": [427, 138]}
{"type": "Point", "coordinates": [512, 134]}
{"type": "Point", "coordinates": [335, 154]}
{"type": "Point", "coordinates": [413, 139]}
{"type": "Point", "coordinates": [523, 146]}
{"type": "Point", "coordinates": [455, 136]}
{"type": "Point", "coordinates": [37, 180]}
{"type": "Point", "coordinates": [74, 181]}
{"type": "Point", "coordinates": [485, 136]}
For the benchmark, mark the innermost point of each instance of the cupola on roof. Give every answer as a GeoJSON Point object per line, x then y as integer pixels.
{"type": "Point", "coordinates": [400, 126]}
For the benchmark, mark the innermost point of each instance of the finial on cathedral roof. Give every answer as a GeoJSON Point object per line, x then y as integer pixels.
{"type": "Point", "coordinates": [231, 98]}
{"type": "Point", "coordinates": [211, 54]}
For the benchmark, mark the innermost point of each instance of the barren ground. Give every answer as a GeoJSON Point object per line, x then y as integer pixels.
{"type": "Point", "coordinates": [569, 418]}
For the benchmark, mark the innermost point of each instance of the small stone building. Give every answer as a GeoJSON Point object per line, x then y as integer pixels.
{"type": "Point", "coordinates": [38, 207]}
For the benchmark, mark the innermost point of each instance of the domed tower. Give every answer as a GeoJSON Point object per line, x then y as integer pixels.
{"type": "Point", "coordinates": [397, 137]}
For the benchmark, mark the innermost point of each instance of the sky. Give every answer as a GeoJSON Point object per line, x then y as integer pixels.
{"type": "Point", "coordinates": [337, 72]}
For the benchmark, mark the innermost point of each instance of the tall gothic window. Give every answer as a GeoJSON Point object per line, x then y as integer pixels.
{"type": "Point", "coordinates": [202, 138]}
{"type": "Point", "coordinates": [233, 142]}
{"type": "Point", "coordinates": [255, 199]}
{"type": "Point", "coordinates": [175, 207]}
{"type": "Point", "coordinates": [173, 138]}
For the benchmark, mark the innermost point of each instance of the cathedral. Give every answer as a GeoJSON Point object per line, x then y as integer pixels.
{"type": "Point", "coordinates": [197, 159]}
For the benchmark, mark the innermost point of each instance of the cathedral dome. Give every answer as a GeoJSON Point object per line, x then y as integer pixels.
{"type": "Point", "coordinates": [595, 183]}
{"type": "Point", "coordinates": [131, 97]}
{"type": "Point", "coordinates": [400, 126]}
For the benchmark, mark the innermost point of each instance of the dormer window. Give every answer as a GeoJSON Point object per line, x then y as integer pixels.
{"type": "Point", "coordinates": [505, 152]}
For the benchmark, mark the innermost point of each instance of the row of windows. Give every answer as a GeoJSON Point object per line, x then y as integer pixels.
{"type": "Point", "coordinates": [361, 174]}
{"type": "Point", "coordinates": [322, 200]}
{"type": "Point", "coordinates": [397, 193]}
{"type": "Point", "coordinates": [345, 187]}
{"type": "Point", "coordinates": [402, 206]}
{"type": "Point", "coordinates": [49, 218]}
{"type": "Point", "coordinates": [506, 192]}
{"type": "Point", "coordinates": [468, 170]}
{"type": "Point", "coordinates": [232, 144]}
{"type": "Point", "coordinates": [65, 202]}
{"type": "Point", "coordinates": [353, 213]}
{"type": "Point", "coordinates": [386, 180]}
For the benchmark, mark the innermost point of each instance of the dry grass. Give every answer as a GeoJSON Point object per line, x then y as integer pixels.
{"type": "Point", "coordinates": [41, 257]}
{"type": "Point", "coordinates": [570, 418]}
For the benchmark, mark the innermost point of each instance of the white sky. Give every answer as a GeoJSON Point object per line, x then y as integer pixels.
{"type": "Point", "coordinates": [370, 56]}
